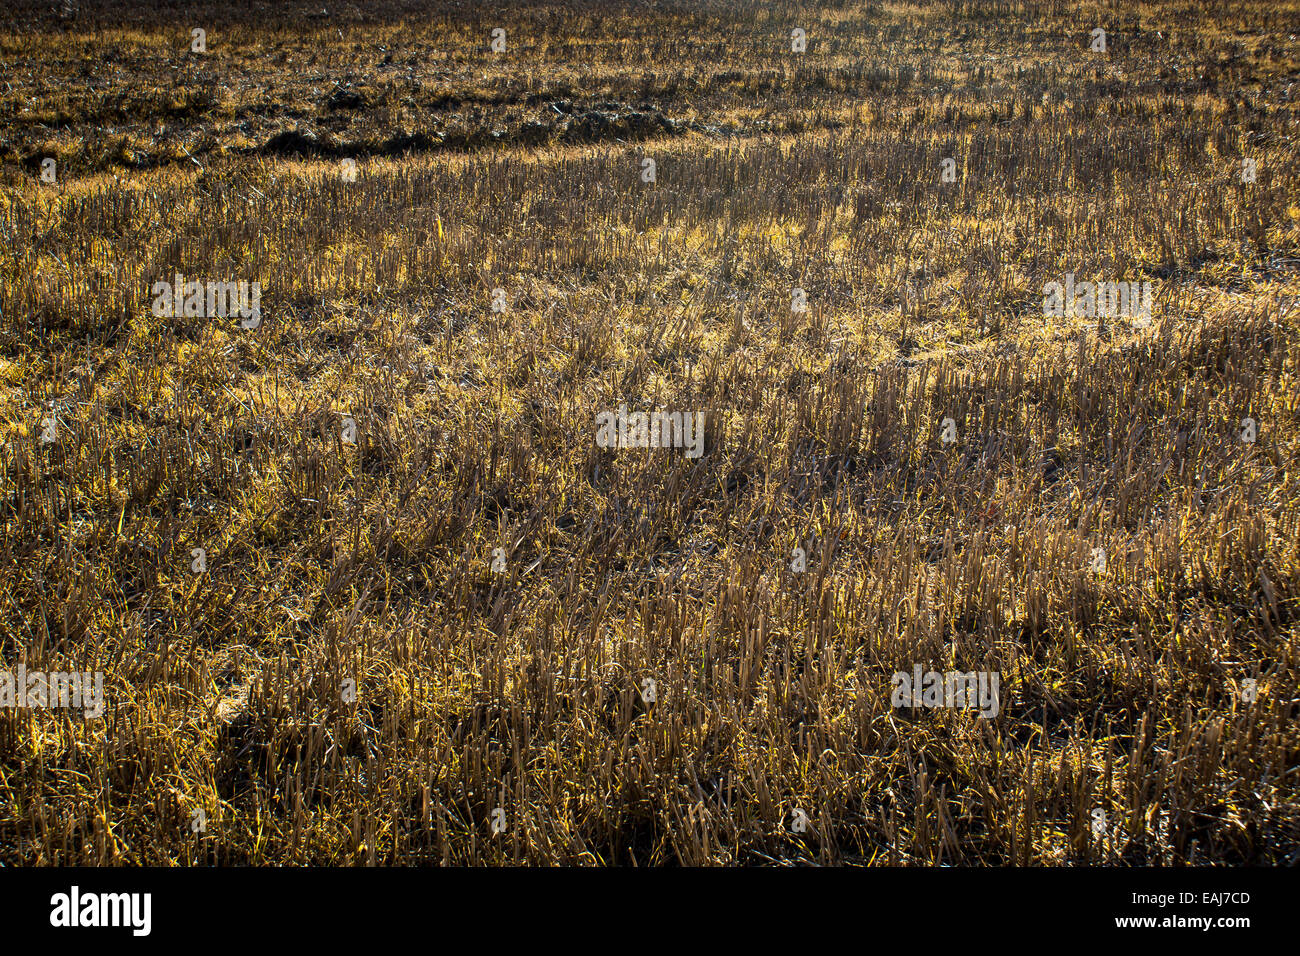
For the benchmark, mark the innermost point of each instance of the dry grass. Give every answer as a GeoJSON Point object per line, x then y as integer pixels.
{"type": "Point", "coordinates": [329, 562]}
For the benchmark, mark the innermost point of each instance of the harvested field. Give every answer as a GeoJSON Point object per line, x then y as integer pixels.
{"type": "Point", "coordinates": [366, 581]}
